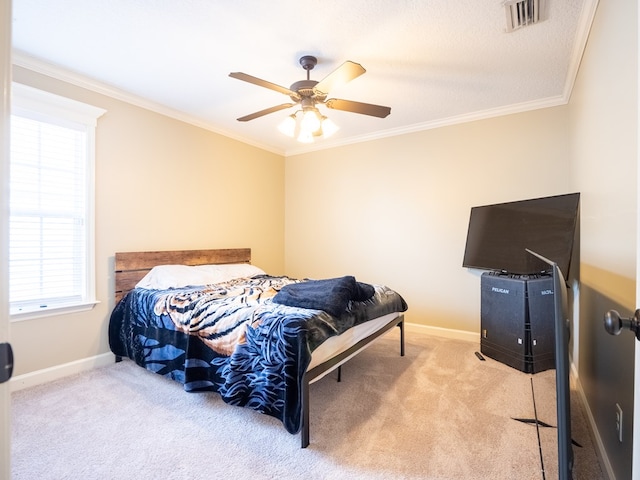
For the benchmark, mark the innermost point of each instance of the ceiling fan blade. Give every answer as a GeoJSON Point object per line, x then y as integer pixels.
{"type": "Point", "coordinates": [266, 111]}
{"type": "Point", "coordinates": [358, 107]}
{"type": "Point", "coordinates": [341, 75]}
{"type": "Point", "coordinates": [263, 83]}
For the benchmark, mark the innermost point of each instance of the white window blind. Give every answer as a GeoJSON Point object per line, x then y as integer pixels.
{"type": "Point", "coordinates": [51, 265]}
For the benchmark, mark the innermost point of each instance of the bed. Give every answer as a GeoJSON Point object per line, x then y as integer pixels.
{"type": "Point", "coordinates": [256, 339]}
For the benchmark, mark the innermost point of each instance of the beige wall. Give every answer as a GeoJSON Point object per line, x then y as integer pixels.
{"type": "Point", "coordinates": [603, 114]}
{"type": "Point", "coordinates": [160, 184]}
{"type": "Point", "coordinates": [396, 210]}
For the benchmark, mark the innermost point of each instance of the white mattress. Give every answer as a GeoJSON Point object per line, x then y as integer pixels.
{"type": "Point", "coordinates": [339, 343]}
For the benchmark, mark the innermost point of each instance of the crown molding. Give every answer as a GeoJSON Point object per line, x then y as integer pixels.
{"type": "Point", "coordinates": [582, 35]}
{"type": "Point", "coordinates": [586, 20]}
{"type": "Point", "coordinates": [23, 60]}
{"type": "Point", "coordinates": [439, 123]}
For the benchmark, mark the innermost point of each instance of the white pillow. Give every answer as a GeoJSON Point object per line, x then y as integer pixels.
{"type": "Point", "coordinates": [163, 277]}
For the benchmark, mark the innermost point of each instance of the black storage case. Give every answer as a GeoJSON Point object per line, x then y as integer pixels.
{"type": "Point", "coordinates": [516, 320]}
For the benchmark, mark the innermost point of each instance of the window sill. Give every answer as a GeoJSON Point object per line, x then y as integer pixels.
{"type": "Point", "coordinates": [51, 311]}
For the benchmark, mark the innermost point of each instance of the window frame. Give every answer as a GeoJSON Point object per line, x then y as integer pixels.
{"type": "Point", "coordinates": [44, 106]}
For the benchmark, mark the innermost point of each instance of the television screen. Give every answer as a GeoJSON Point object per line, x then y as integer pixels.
{"type": "Point", "coordinates": [498, 234]}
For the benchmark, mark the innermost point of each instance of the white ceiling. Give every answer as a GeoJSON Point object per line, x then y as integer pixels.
{"type": "Point", "coordinates": [434, 62]}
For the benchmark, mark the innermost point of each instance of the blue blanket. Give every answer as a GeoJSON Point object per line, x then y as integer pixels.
{"type": "Point", "coordinates": [331, 295]}
{"type": "Point", "coordinates": [233, 339]}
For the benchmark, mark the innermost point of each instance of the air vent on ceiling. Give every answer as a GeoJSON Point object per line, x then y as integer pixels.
{"type": "Point", "coordinates": [521, 13]}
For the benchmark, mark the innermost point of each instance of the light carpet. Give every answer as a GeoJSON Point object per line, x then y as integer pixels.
{"type": "Point", "coordinates": [436, 413]}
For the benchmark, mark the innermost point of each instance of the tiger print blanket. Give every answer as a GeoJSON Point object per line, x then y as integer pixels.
{"type": "Point", "coordinates": [232, 338]}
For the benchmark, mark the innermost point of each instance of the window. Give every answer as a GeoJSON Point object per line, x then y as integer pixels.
{"type": "Point", "coordinates": [51, 198]}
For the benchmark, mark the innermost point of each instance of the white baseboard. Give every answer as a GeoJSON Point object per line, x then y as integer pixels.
{"type": "Point", "coordinates": [444, 332]}
{"type": "Point", "coordinates": [45, 375]}
{"type": "Point", "coordinates": [59, 371]}
{"type": "Point", "coordinates": [600, 450]}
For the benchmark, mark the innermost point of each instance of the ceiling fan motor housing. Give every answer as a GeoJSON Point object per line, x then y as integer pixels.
{"type": "Point", "coordinates": [304, 88]}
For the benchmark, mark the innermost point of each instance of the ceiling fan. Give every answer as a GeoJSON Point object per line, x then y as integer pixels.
{"type": "Point", "coordinates": [309, 93]}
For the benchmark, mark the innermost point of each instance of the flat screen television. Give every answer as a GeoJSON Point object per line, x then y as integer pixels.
{"type": "Point", "coordinates": [563, 391]}
{"type": "Point", "coordinates": [498, 234]}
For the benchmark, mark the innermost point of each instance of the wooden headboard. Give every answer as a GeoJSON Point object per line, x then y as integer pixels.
{"type": "Point", "coordinates": [130, 267]}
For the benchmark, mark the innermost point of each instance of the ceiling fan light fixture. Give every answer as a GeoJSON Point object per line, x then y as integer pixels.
{"type": "Point", "coordinates": [328, 127]}
{"type": "Point", "coordinates": [310, 120]}
{"type": "Point", "coordinates": [307, 128]}
{"type": "Point", "coordinates": [288, 126]}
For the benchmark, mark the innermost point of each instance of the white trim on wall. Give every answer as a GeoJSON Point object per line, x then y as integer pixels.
{"type": "Point", "coordinates": [50, 374]}
{"type": "Point", "coordinates": [57, 372]}
{"type": "Point", "coordinates": [444, 332]}
{"type": "Point", "coordinates": [593, 428]}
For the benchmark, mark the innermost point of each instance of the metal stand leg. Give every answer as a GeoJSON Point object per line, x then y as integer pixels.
{"type": "Point", "coordinates": [304, 434]}
{"type": "Point", "coordinates": [401, 325]}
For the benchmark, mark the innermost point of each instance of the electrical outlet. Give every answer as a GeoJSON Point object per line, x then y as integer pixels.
{"type": "Point", "coordinates": [619, 422]}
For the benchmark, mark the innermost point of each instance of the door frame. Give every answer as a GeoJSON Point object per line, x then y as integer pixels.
{"type": "Point", "coordinates": [5, 85]}
{"type": "Point", "coordinates": [635, 464]}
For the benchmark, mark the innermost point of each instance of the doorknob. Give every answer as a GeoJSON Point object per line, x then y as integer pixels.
{"type": "Point", "coordinates": [6, 362]}
{"type": "Point", "coordinates": [614, 323]}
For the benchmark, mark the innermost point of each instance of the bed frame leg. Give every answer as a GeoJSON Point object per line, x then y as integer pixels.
{"type": "Point", "coordinates": [304, 434]}
{"type": "Point", "coordinates": [340, 373]}
{"type": "Point", "coordinates": [401, 325]}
